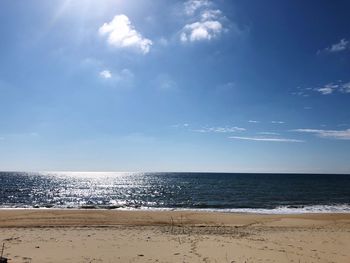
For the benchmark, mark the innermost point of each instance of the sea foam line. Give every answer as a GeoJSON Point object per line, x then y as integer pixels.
{"type": "Point", "coordinates": [310, 209]}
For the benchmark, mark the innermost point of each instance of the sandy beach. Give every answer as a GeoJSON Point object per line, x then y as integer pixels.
{"type": "Point", "coordinates": [147, 236]}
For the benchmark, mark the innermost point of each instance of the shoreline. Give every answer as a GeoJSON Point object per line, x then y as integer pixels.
{"type": "Point", "coordinates": [304, 210]}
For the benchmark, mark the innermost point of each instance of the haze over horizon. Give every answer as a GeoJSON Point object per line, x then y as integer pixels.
{"type": "Point", "coordinates": [197, 85]}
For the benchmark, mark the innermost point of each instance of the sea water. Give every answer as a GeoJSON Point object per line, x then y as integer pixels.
{"type": "Point", "coordinates": [226, 192]}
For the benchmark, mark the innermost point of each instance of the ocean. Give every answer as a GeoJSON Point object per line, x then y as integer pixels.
{"type": "Point", "coordinates": [226, 192]}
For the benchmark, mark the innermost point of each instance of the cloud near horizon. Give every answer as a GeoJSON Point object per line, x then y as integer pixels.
{"type": "Point", "coordinates": [277, 122]}
{"type": "Point", "coordinates": [264, 139]}
{"type": "Point", "coordinates": [122, 34]}
{"type": "Point", "coordinates": [220, 129]}
{"type": "Point", "coordinates": [330, 134]}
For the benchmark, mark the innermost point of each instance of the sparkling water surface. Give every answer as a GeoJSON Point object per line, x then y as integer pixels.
{"type": "Point", "coordinates": [262, 193]}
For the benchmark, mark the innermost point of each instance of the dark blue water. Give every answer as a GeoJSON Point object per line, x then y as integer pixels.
{"type": "Point", "coordinates": [265, 193]}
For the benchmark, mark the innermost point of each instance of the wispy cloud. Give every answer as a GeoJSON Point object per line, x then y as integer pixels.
{"type": "Point", "coordinates": [342, 45]}
{"type": "Point", "coordinates": [300, 91]}
{"type": "Point", "coordinates": [123, 77]}
{"type": "Point", "coordinates": [165, 82]}
{"type": "Point", "coordinates": [193, 5]}
{"type": "Point", "coordinates": [220, 129]}
{"type": "Point", "coordinates": [126, 76]}
{"type": "Point", "coordinates": [277, 122]}
{"type": "Point", "coordinates": [345, 88]}
{"type": "Point", "coordinates": [163, 41]}
{"type": "Point", "coordinates": [180, 125]}
{"type": "Point", "coordinates": [253, 121]}
{"type": "Point", "coordinates": [327, 89]}
{"type": "Point", "coordinates": [334, 87]}
{"type": "Point", "coordinates": [122, 34]}
{"type": "Point", "coordinates": [209, 23]}
{"type": "Point", "coordinates": [268, 133]}
{"type": "Point", "coordinates": [331, 134]}
{"type": "Point", "coordinates": [265, 139]}
{"type": "Point", "coordinates": [228, 86]}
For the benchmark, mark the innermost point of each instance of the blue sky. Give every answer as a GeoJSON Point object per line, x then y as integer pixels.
{"type": "Point", "coordinates": [231, 86]}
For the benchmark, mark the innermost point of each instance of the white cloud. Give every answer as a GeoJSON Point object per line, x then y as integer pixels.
{"type": "Point", "coordinates": [204, 30]}
{"type": "Point", "coordinates": [332, 134]}
{"type": "Point", "coordinates": [265, 139]}
{"type": "Point", "coordinates": [345, 88]}
{"type": "Point", "coordinates": [208, 25]}
{"type": "Point", "coordinates": [331, 88]}
{"type": "Point", "coordinates": [253, 121]}
{"type": "Point", "coordinates": [277, 122]}
{"type": "Point", "coordinates": [122, 34]}
{"type": "Point", "coordinates": [106, 74]}
{"type": "Point", "coordinates": [340, 46]}
{"type": "Point", "coordinates": [211, 14]}
{"type": "Point", "coordinates": [192, 6]}
{"type": "Point", "coordinates": [220, 129]}
{"type": "Point", "coordinates": [327, 89]}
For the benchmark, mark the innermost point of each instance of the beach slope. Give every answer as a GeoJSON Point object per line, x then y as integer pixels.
{"type": "Point", "coordinates": [48, 235]}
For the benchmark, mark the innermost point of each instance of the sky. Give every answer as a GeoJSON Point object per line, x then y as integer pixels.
{"type": "Point", "coordinates": [153, 85]}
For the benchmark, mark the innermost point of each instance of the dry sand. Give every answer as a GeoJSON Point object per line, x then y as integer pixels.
{"type": "Point", "coordinates": [137, 236]}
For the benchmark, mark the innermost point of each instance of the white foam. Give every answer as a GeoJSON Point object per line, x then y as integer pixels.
{"type": "Point", "coordinates": [312, 209]}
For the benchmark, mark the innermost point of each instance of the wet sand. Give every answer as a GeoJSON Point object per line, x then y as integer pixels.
{"type": "Point", "coordinates": [48, 235]}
